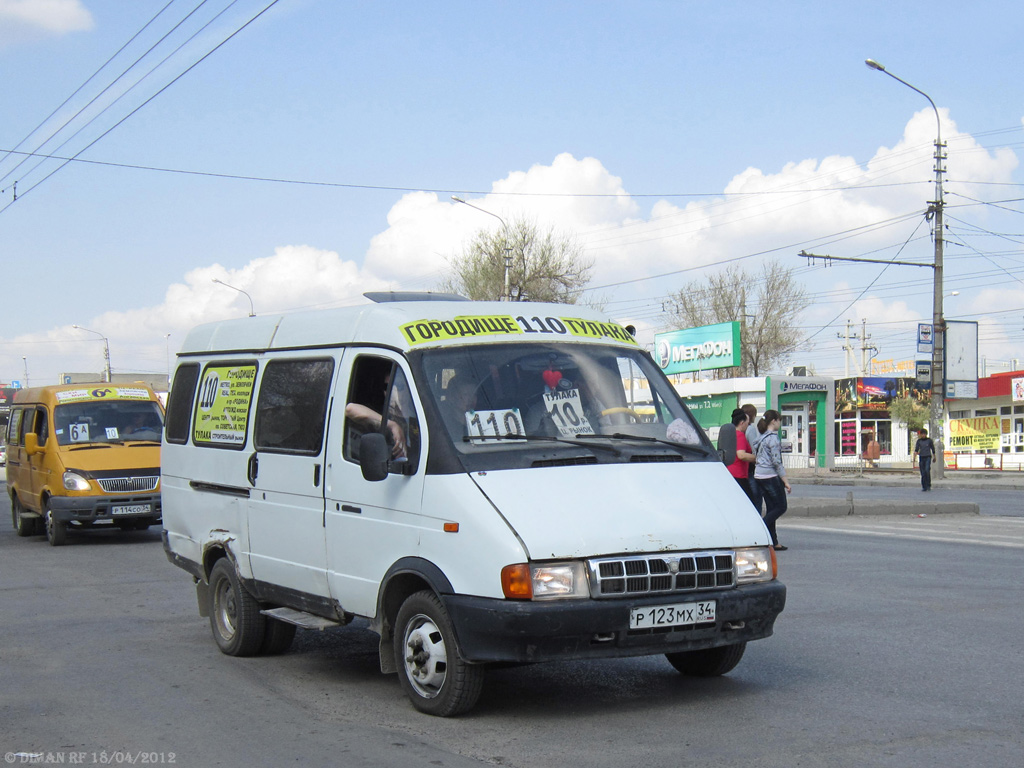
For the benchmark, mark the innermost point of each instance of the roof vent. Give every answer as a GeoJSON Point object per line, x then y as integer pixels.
{"type": "Point", "coordinates": [384, 297]}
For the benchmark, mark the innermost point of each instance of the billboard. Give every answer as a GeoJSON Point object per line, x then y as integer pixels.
{"type": "Point", "coordinates": [698, 349]}
{"type": "Point", "coordinates": [874, 393]}
{"type": "Point", "coordinates": [961, 359]}
{"type": "Point", "coordinates": [977, 434]}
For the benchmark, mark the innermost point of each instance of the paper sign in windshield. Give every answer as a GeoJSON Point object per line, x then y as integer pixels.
{"type": "Point", "coordinates": [566, 411]}
{"type": "Point", "coordinates": [481, 425]}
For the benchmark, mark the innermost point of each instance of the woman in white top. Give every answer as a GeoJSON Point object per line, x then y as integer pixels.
{"type": "Point", "coordinates": [769, 474]}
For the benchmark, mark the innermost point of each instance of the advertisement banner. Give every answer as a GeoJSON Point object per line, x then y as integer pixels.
{"type": "Point", "coordinates": [698, 349]}
{"type": "Point", "coordinates": [1017, 391]}
{"type": "Point", "coordinates": [876, 392]}
{"type": "Point", "coordinates": [977, 434]}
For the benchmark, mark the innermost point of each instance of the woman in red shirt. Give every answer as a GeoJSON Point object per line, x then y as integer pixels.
{"type": "Point", "coordinates": [739, 469]}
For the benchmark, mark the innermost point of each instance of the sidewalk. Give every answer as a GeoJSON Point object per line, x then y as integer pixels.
{"type": "Point", "coordinates": [906, 478]}
{"type": "Point", "coordinates": [893, 478]}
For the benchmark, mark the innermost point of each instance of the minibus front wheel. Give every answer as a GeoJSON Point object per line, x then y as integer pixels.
{"type": "Point", "coordinates": [56, 530]}
{"type": "Point", "coordinates": [710, 662]}
{"type": "Point", "coordinates": [436, 679]}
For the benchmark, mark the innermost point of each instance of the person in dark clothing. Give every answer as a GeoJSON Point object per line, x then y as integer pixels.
{"type": "Point", "coordinates": [924, 450]}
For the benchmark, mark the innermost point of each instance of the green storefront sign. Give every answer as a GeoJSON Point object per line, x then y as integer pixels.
{"type": "Point", "coordinates": [698, 349]}
{"type": "Point", "coordinates": [712, 411]}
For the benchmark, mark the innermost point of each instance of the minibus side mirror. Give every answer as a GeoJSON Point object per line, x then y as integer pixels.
{"type": "Point", "coordinates": [32, 444]}
{"type": "Point", "coordinates": [374, 455]}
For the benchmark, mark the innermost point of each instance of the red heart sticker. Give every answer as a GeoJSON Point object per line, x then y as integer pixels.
{"type": "Point", "coordinates": [551, 378]}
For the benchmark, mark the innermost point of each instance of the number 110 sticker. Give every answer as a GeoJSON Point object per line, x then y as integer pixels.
{"type": "Point", "coordinates": [485, 424]}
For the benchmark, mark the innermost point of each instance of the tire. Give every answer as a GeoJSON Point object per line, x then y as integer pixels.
{"type": "Point", "coordinates": [24, 526]}
{"type": "Point", "coordinates": [435, 678]}
{"type": "Point", "coordinates": [710, 662]}
{"type": "Point", "coordinates": [278, 638]}
{"type": "Point", "coordinates": [56, 530]}
{"type": "Point", "coordinates": [238, 626]}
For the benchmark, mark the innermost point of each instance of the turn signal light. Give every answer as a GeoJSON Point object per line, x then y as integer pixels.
{"type": "Point", "coordinates": [516, 582]}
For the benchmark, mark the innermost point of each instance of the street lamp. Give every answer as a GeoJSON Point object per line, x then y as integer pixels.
{"type": "Point", "coordinates": [938, 325]}
{"type": "Point", "coordinates": [252, 312]}
{"type": "Point", "coordinates": [167, 343]}
{"type": "Point", "coordinates": [106, 351]}
{"type": "Point", "coordinates": [508, 245]}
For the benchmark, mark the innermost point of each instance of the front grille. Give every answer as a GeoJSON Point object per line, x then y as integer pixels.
{"type": "Point", "coordinates": [128, 484]}
{"type": "Point", "coordinates": [667, 573]}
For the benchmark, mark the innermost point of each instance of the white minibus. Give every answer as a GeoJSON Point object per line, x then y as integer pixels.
{"type": "Point", "coordinates": [472, 478]}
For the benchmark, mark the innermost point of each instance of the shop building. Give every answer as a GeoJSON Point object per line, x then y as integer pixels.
{"type": "Point", "coordinates": [988, 432]}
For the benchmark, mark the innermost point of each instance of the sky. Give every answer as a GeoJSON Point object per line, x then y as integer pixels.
{"type": "Point", "coordinates": [306, 151]}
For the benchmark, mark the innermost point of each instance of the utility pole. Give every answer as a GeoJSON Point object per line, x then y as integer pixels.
{"type": "Point", "coordinates": [864, 347]}
{"type": "Point", "coordinates": [935, 208]}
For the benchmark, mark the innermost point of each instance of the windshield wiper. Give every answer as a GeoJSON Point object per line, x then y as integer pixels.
{"type": "Point", "coordinates": [82, 446]}
{"type": "Point", "coordinates": [691, 448]}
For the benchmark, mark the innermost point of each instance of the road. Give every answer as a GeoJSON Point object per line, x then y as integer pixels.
{"type": "Point", "coordinates": [898, 647]}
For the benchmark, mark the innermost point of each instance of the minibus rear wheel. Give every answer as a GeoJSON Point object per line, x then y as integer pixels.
{"type": "Point", "coordinates": [24, 526]}
{"type": "Point", "coordinates": [436, 679]}
{"type": "Point", "coordinates": [238, 626]}
{"type": "Point", "coordinates": [710, 662]}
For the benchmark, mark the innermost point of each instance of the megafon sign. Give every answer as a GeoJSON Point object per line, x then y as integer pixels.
{"type": "Point", "coordinates": [698, 349]}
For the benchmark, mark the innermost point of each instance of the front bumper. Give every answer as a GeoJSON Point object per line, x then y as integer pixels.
{"type": "Point", "coordinates": [491, 630]}
{"type": "Point", "coordinates": [90, 509]}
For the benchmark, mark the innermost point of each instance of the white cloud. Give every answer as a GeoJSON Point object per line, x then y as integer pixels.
{"type": "Point", "coordinates": [30, 18]}
{"type": "Point", "coordinates": [759, 211]}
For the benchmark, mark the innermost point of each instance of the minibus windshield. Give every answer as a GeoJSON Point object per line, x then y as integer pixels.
{"type": "Point", "coordinates": [606, 402]}
{"type": "Point", "coordinates": [108, 421]}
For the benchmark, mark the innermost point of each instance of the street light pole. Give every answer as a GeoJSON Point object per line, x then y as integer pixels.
{"type": "Point", "coordinates": [106, 351]}
{"type": "Point", "coordinates": [508, 245]}
{"type": "Point", "coordinates": [938, 324]}
{"type": "Point", "coordinates": [252, 311]}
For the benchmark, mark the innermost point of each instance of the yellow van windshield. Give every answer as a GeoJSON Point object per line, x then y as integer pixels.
{"type": "Point", "coordinates": [108, 421]}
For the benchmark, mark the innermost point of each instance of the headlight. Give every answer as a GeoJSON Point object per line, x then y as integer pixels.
{"type": "Point", "coordinates": [75, 482]}
{"type": "Point", "coordinates": [544, 581]}
{"type": "Point", "coordinates": [755, 564]}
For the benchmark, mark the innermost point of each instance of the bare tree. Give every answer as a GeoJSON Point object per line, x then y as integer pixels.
{"type": "Point", "coordinates": [543, 266]}
{"type": "Point", "coordinates": [766, 305]}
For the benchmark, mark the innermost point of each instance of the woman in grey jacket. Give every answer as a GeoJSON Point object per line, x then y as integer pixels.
{"type": "Point", "coordinates": [770, 475]}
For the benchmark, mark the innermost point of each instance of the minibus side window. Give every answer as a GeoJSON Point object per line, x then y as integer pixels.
{"type": "Point", "coordinates": [42, 425]}
{"type": "Point", "coordinates": [374, 381]}
{"type": "Point", "coordinates": [14, 428]}
{"type": "Point", "coordinates": [292, 408]}
{"type": "Point", "coordinates": [179, 402]}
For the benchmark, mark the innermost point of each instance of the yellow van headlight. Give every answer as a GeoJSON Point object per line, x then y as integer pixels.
{"type": "Point", "coordinates": [544, 581]}
{"type": "Point", "coordinates": [75, 482]}
{"type": "Point", "coordinates": [755, 564]}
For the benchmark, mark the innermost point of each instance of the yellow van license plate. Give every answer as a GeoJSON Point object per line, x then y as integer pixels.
{"type": "Point", "coordinates": [678, 615]}
{"type": "Point", "coordinates": [130, 509]}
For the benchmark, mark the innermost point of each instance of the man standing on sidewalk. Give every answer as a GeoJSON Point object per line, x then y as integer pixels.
{"type": "Point", "coordinates": [924, 449]}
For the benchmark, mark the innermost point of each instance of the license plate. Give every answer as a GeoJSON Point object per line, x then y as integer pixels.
{"type": "Point", "coordinates": [678, 615]}
{"type": "Point", "coordinates": [130, 509]}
